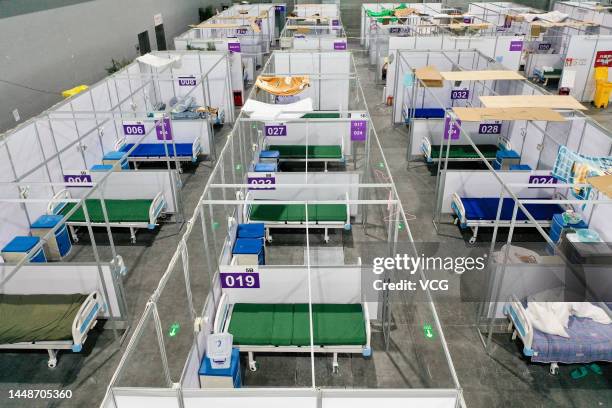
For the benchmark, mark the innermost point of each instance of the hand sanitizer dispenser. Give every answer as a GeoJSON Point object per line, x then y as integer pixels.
{"type": "Point", "coordinates": [219, 350]}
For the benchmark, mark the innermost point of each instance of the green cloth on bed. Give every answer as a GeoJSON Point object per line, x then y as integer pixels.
{"type": "Point", "coordinates": [30, 318]}
{"type": "Point", "coordinates": [289, 324]}
{"type": "Point", "coordinates": [321, 115]}
{"type": "Point", "coordinates": [297, 212]}
{"type": "Point", "coordinates": [464, 151]}
{"type": "Point", "coordinates": [314, 151]}
{"type": "Point", "coordinates": [118, 211]}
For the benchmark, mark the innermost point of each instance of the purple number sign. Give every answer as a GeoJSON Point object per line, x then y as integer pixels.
{"type": "Point", "coordinates": [542, 180]}
{"type": "Point", "coordinates": [359, 130]}
{"type": "Point", "coordinates": [233, 280]}
{"type": "Point", "coordinates": [460, 94]}
{"type": "Point", "coordinates": [489, 129]}
{"type": "Point", "coordinates": [339, 45]}
{"type": "Point", "coordinates": [187, 81]}
{"type": "Point", "coordinates": [259, 181]}
{"type": "Point", "coordinates": [133, 128]}
{"type": "Point", "coordinates": [162, 128]}
{"type": "Point", "coordinates": [516, 45]}
{"type": "Point", "coordinates": [233, 47]}
{"type": "Point", "coordinates": [455, 132]}
{"type": "Point", "coordinates": [275, 130]}
{"type": "Point", "coordinates": [544, 46]}
{"type": "Point", "coordinates": [78, 179]}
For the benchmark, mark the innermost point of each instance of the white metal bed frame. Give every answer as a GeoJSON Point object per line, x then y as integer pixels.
{"type": "Point", "coordinates": [155, 211]}
{"type": "Point", "coordinates": [196, 148]}
{"type": "Point", "coordinates": [326, 225]}
{"type": "Point", "coordinates": [223, 317]}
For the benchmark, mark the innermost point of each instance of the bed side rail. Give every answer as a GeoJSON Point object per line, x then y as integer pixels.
{"type": "Point", "coordinates": [517, 314]}
{"type": "Point", "coordinates": [458, 208]}
{"type": "Point", "coordinates": [347, 225]}
{"type": "Point", "coordinates": [55, 204]}
{"type": "Point", "coordinates": [157, 207]}
{"type": "Point", "coordinates": [426, 147]}
{"type": "Point", "coordinates": [86, 319]}
{"type": "Point", "coordinates": [221, 314]}
{"type": "Point", "coordinates": [119, 143]}
{"type": "Point", "coordinates": [504, 143]}
{"type": "Point", "coordinates": [367, 350]}
{"type": "Point", "coordinates": [196, 149]}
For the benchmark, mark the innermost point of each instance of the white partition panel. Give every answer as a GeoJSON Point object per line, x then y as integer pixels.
{"type": "Point", "coordinates": [289, 284]}
{"type": "Point", "coordinates": [146, 398]}
{"type": "Point", "coordinates": [482, 183]}
{"type": "Point", "coordinates": [580, 58]}
{"type": "Point", "coordinates": [277, 398]}
{"type": "Point", "coordinates": [60, 278]}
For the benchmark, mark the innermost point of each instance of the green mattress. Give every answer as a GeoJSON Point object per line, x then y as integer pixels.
{"type": "Point", "coordinates": [30, 318]}
{"type": "Point", "coordinates": [297, 212]}
{"type": "Point", "coordinates": [465, 151]}
{"type": "Point", "coordinates": [314, 151]}
{"type": "Point", "coordinates": [322, 115]}
{"type": "Point", "coordinates": [288, 324]}
{"type": "Point", "coordinates": [117, 210]}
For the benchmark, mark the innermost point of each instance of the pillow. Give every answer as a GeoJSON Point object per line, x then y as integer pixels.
{"type": "Point", "coordinates": [589, 310]}
{"type": "Point", "coordinates": [549, 317]}
{"type": "Point", "coordinates": [553, 302]}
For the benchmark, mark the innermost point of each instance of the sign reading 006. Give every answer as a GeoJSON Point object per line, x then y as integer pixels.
{"type": "Point", "coordinates": [239, 277]}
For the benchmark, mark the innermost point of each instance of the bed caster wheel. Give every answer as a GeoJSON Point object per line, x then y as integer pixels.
{"type": "Point", "coordinates": [472, 240]}
{"type": "Point", "coordinates": [52, 363]}
{"type": "Point", "coordinates": [554, 369]}
{"type": "Point", "coordinates": [253, 366]}
{"type": "Point", "coordinates": [335, 368]}
{"type": "Point", "coordinates": [269, 239]}
{"type": "Point", "coordinates": [326, 239]}
{"type": "Point", "coordinates": [456, 221]}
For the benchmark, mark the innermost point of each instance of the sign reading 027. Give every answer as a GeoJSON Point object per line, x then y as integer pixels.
{"type": "Point", "coordinates": [275, 129]}
{"type": "Point", "coordinates": [239, 277]}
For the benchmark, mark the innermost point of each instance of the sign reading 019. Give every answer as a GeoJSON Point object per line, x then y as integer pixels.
{"type": "Point", "coordinates": [239, 277]}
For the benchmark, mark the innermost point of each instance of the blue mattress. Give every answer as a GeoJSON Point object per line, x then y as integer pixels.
{"type": "Point", "coordinates": [429, 113]}
{"type": "Point", "coordinates": [485, 208]}
{"type": "Point", "coordinates": [158, 150]}
{"type": "Point", "coordinates": [589, 341]}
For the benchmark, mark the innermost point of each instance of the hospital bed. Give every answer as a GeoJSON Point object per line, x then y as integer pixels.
{"type": "Point", "coordinates": [128, 213]}
{"type": "Point", "coordinates": [475, 212]}
{"type": "Point", "coordinates": [48, 322]}
{"type": "Point", "coordinates": [462, 152]}
{"type": "Point", "coordinates": [588, 341]}
{"type": "Point", "coordinates": [310, 153]}
{"type": "Point", "coordinates": [294, 216]}
{"type": "Point", "coordinates": [159, 152]}
{"type": "Point", "coordinates": [285, 328]}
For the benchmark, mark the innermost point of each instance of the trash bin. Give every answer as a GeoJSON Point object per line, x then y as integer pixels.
{"type": "Point", "coordinates": [602, 94]}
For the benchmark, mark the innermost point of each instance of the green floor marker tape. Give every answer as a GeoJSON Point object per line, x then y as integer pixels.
{"type": "Point", "coordinates": [596, 368]}
{"type": "Point", "coordinates": [579, 373]}
{"type": "Point", "coordinates": [400, 226]}
{"type": "Point", "coordinates": [428, 331]}
{"type": "Point", "coordinates": [381, 165]}
{"type": "Point", "coordinates": [215, 225]}
{"type": "Point", "coordinates": [239, 167]}
{"type": "Point", "coordinates": [175, 328]}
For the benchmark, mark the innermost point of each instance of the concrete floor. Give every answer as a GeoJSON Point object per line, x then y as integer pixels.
{"type": "Point", "coordinates": [503, 378]}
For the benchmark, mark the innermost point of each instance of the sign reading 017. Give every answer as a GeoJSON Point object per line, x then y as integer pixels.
{"type": "Point", "coordinates": [239, 277]}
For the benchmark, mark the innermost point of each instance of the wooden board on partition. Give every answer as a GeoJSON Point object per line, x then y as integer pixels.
{"type": "Point", "coordinates": [217, 25]}
{"type": "Point", "coordinates": [532, 101]}
{"type": "Point", "coordinates": [474, 26]}
{"type": "Point", "coordinates": [430, 76]}
{"type": "Point", "coordinates": [484, 114]}
{"type": "Point", "coordinates": [488, 75]}
{"type": "Point", "coordinates": [602, 183]}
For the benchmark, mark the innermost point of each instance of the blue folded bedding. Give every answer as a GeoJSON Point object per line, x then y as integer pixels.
{"type": "Point", "coordinates": [485, 208]}
{"type": "Point", "coordinates": [588, 341]}
{"type": "Point", "coordinates": [158, 150]}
